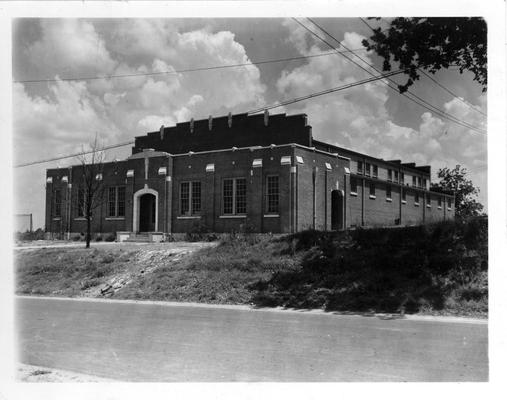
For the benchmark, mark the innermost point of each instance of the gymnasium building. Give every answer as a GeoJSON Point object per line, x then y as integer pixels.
{"type": "Point", "coordinates": [250, 173]}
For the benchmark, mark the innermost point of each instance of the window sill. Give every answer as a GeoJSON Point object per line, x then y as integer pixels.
{"type": "Point", "coordinates": [416, 204]}
{"type": "Point", "coordinates": [80, 219]}
{"type": "Point", "coordinates": [188, 217]}
{"type": "Point", "coordinates": [353, 193]}
{"type": "Point", "coordinates": [271, 215]}
{"type": "Point", "coordinates": [449, 209]}
{"type": "Point", "coordinates": [389, 199]}
{"type": "Point", "coordinates": [115, 218]}
{"type": "Point", "coordinates": [439, 207]}
{"type": "Point", "coordinates": [232, 216]}
{"type": "Point", "coordinates": [57, 218]}
{"type": "Point", "coordinates": [373, 196]}
{"type": "Point", "coordinates": [404, 202]}
{"type": "Point", "coordinates": [428, 205]}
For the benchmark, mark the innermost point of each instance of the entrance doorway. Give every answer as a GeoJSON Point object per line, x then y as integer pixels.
{"type": "Point", "coordinates": [147, 212]}
{"type": "Point", "coordinates": [337, 210]}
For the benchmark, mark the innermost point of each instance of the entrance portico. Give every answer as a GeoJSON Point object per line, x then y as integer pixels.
{"type": "Point", "coordinates": [145, 218]}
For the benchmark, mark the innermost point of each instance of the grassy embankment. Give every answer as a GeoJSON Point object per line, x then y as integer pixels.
{"type": "Point", "coordinates": [436, 269]}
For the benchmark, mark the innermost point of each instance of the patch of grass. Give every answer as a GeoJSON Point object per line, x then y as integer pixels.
{"type": "Point", "coordinates": [433, 269]}
{"type": "Point", "coordinates": [63, 271]}
{"type": "Point", "coordinates": [221, 274]}
{"type": "Point", "coordinates": [440, 268]}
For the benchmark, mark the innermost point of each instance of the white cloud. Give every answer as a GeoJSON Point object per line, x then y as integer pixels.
{"type": "Point", "coordinates": [69, 46]}
{"type": "Point", "coordinates": [358, 118]}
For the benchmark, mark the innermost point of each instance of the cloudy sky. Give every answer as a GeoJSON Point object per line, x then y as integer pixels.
{"type": "Point", "coordinates": [59, 117]}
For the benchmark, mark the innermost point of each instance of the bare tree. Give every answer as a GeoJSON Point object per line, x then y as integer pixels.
{"type": "Point", "coordinates": [91, 187]}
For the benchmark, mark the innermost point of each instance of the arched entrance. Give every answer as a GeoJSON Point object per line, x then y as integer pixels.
{"type": "Point", "coordinates": [145, 211]}
{"type": "Point", "coordinates": [337, 210]}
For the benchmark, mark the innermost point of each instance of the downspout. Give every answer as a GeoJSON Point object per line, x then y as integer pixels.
{"type": "Point", "coordinates": [166, 208]}
{"type": "Point", "coordinates": [325, 199]}
{"type": "Point", "coordinates": [400, 185]}
{"type": "Point", "coordinates": [314, 180]}
{"type": "Point", "coordinates": [69, 205]}
{"type": "Point", "coordinates": [362, 196]}
{"type": "Point", "coordinates": [424, 207]}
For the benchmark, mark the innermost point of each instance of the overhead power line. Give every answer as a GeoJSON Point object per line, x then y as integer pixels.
{"type": "Point", "coordinates": [327, 91]}
{"type": "Point", "coordinates": [423, 103]}
{"type": "Point", "coordinates": [291, 101]}
{"type": "Point", "coordinates": [181, 71]}
{"type": "Point", "coordinates": [436, 81]}
{"type": "Point", "coordinates": [82, 153]}
{"type": "Point", "coordinates": [408, 94]}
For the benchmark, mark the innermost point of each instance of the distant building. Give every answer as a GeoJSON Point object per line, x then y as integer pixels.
{"type": "Point", "coordinates": [257, 173]}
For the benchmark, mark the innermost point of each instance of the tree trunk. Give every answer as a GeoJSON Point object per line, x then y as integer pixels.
{"type": "Point", "coordinates": [88, 231]}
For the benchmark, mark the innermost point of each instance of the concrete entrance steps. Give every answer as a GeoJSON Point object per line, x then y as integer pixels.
{"type": "Point", "coordinates": [139, 237]}
{"type": "Point", "coordinates": [144, 237]}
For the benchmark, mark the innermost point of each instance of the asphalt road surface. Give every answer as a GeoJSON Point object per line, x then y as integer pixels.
{"type": "Point", "coordinates": [150, 342]}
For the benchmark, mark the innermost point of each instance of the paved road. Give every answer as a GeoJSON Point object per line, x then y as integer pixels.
{"type": "Point", "coordinates": [150, 342]}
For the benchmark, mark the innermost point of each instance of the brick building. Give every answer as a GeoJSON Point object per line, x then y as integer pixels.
{"type": "Point", "coordinates": [258, 173]}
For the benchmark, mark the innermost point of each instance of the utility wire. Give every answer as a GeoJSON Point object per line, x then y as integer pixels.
{"type": "Point", "coordinates": [291, 101]}
{"type": "Point", "coordinates": [174, 72]}
{"type": "Point", "coordinates": [434, 80]}
{"type": "Point", "coordinates": [327, 91]}
{"type": "Point", "coordinates": [113, 146]}
{"type": "Point", "coordinates": [451, 93]}
{"type": "Point", "coordinates": [428, 106]}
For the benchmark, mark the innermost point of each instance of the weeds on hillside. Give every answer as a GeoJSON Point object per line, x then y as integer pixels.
{"type": "Point", "coordinates": [425, 268]}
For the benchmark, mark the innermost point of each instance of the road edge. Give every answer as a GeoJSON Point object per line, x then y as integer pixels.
{"type": "Point", "coordinates": [240, 307]}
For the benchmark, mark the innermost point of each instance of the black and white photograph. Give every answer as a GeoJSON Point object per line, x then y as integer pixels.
{"type": "Point", "coordinates": [293, 196]}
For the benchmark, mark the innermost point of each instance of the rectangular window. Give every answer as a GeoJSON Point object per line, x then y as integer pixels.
{"type": "Point", "coordinates": [195, 196]}
{"type": "Point", "coordinates": [375, 171]}
{"type": "Point", "coordinates": [360, 167]}
{"type": "Point", "coordinates": [190, 198]}
{"type": "Point", "coordinates": [272, 195]}
{"type": "Point", "coordinates": [353, 186]}
{"type": "Point", "coordinates": [234, 196]}
{"type": "Point", "coordinates": [228, 196]}
{"type": "Point", "coordinates": [58, 203]}
{"type": "Point", "coordinates": [81, 202]}
{"type": "Point", "coordinates": [416, 198]}
{"type": "Point", "coordinates": [185, 198]}
{"type": "Point", "coordinates": [449, 203]}
{"type": "Point", "coordinates": [419, 181]}
{"type": "Point", "coordinates": [396, 176]}
{"type": "Point", "coordinates": [372, 190]}
{"type": "Point", "coordinates": [120, 210]}
{"type": "Point", "coordinates": [424, 183]}
{"type": "Point", "coordinates": [241, 196]}
{"type": "Point", "coordinates": [402, 178]}
{"type": "Point", "coordinates": [367, 169]}
{"type": "Point", "coordinates": [388, 192]}
{"type": "Point", "coordinates": [111, 202]}
{"type": "Point", "coordinates": [116, 201]}
{"type": "Point", "coordinates": [389, 175]}
{"type": "Point", "coordinates": [403, 195]}
{"type": "Point", "coordinates": [414, 181]}
{"type": "Point", "coordinates": [439, 202]}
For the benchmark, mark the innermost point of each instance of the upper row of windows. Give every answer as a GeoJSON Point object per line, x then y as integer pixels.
{"type": "Point", "coordinates": [371, 170]}
{"type": "Point", "coordinates": [372, 193]}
